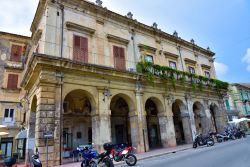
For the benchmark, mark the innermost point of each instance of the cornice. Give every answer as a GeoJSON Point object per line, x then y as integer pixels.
{"type": "Point", "coordinates": [143, 47]}
{"type": "Point", "coordinates": [205, 66]}
{"type": "Point", "coordinates": [122, 19]}
{"type": "Point", "coordinates": [79, 28]}
{"type": "Point", "coordinates": [116, 39]}
{"type": "Point", "coordinates": [38, 15]}
{"type": "Point", "coordinates": [170, 55]}
{"type": "Point", "coordinates": [14, 37]}
{"type": "Point", "coordinates": [190, 61]}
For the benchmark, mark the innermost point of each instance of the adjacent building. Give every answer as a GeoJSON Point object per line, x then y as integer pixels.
{"type": "Point", "coordinates": [94, 76]}
{"type": "Point", "coordinates": [238, 101]}
{"type": "Point", "coordinates": [12, 51]}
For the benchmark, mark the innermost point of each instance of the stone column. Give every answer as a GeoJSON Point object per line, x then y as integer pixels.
{"type": "Point", "coordinates": [221, 117]}
{"type": "Point", "coordinates": [186, 127]}
{"type": "Point", "coordinates": [167, 130]}
{"type": "Point", "coordinates": [142, 122]}
{"type": "Point", "coordinates": [133, 119]}
{"type": "Point", "coordinates": [101, 123]}
{"type": "Point", "coordinates": [189, 116]}
{"type": "Point", "coordinates": [45, 120]}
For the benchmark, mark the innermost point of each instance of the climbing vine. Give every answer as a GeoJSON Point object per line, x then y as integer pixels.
{"type": "Point", "coordinates": [151, 70]}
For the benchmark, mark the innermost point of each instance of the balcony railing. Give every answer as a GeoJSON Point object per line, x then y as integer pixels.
{"type": "Point", "coordinates": [166, 73]}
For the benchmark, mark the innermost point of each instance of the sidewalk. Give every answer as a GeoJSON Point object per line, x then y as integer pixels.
{"type": "Point", "coordinates": [146, 155]}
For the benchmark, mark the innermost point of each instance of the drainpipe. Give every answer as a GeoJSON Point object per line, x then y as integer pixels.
{"type": "Point", "coordinates": [61, 80]}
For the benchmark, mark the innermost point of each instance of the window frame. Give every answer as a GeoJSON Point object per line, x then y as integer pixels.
{"type": "Point", "coordinates": [152, 58]}
{"type": "Point", "coordinates": [190, 71]}
{"type": "Point", "coordinates": [207, 72]}
{"type": "Point", "coordinates": [9, 114]}
{"type": "Point", "coordinates": [172, 62]}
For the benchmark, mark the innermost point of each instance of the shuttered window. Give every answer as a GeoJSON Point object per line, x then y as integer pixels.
{"type": "Point", "coordinates": [80, 49]}
{"type": "Point", "coordinates": [16, 52]}
{"type": "Point", "coordinates": [119, 58]}
{"type": "Point", "coordinates": [12, 81]}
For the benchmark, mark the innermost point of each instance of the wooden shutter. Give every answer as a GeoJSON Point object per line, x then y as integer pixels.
{"type": "Point", "coordinates": [76, 47]}
{"type": "Point", "coordinates": [16, 52]}
{"type": "Point", "coordinates": [12, 81]}
{"type": "Point", "coordinates": [80, 49]}
{"type": "Point", "coordinates": [119, 58]}
{"type": "Point", "coordinates": [122, 59]}
{"type": "Point", "coordinates": [84, 50]}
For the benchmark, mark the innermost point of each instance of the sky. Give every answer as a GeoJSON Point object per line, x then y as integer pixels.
{"type": "Point", "coordinates": [223, 25]}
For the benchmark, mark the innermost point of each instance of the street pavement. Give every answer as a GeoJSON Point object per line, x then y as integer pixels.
{"type": "Point", "coordinates": [227, 154]}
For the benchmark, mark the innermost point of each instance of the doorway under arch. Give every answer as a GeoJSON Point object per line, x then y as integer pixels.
{"type": "Point", "coordinates": [120, 122]}
{"type": "Point", "coordinates": [153, 126]}
{"type": "Point", "coordinates": [78, 106]}
{"type": "Point", "coordinates": [199, 117]}
{"type": "Point", "coordinates": [177, 107]}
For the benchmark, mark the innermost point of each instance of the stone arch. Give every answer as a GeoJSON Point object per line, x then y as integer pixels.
{"type": "Point", "coordinates": [122, 110]}
{"type": "Point", "coordinates": [199, 117]}
{"type": "Point", "coordinates": [31, 127]}
{"type": "Point", "coordinates": [182, 123]}
{"type": "Point", "coordinates": [128, 99]}
{"type": "Point", "coordinates": [84, 94]}
{"type": "Point", "coordinates": [78, 107]}
{"type": "Point", "coordinates": [214, 114]}
{"type": "Point", "coordinates": [154, 111]}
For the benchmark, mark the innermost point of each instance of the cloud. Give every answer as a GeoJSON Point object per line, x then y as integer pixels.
{"type": "Point", "coordinates": [18, 16]}
{"type": "Point", "coordinates": [221, 69]}
{"type": "Point", "coordinates": [246, 59]}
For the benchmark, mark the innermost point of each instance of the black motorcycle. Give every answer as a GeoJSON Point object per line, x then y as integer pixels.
{"type": "Point", "coordinates": [239, 134]}
{"type": "Point", "coordinates": [201, 141]}
{"type": "Point", "coordinates": [103, 159]}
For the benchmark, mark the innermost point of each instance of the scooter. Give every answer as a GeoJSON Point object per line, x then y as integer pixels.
{"type": "Point", "coordinates": [35, 159]}
{"type": "Point", "coordinates": [201, 141]}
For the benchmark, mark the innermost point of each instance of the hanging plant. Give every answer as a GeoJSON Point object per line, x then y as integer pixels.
{"type": "Point", "coordinates": [166, 73]}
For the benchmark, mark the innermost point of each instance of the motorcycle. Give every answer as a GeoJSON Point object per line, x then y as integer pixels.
{"type": "Point", "coordinates": [35, 159]}
{"type": "Point", "coordinates": [124, 155]}
{"type": "Point", "coordinates": [239, 134]}
{"type": "Point", "coordinates": [201, 141]}
{"type": "Point", "coordinates": [92, 159]}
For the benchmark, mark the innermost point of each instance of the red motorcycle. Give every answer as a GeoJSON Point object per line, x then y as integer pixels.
{"type": "Point", "coordinates": [125, 154]}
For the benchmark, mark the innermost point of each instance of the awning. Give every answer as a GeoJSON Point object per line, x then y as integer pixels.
{"type": "Point", "coordinates": [3, 130]}
{"type": "Point", "coordinates": [21, 135]}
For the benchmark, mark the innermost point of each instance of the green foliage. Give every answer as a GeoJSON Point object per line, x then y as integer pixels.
{"type": "Point", "coordinates": [151, 70]}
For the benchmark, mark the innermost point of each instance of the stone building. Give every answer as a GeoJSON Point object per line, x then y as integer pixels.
{"type": "Point", "coordinates": [12, 51]}
{"type": "Point", "coordinates": [238, 101]}
{"type": "Point", "coordinates": [81, 82]}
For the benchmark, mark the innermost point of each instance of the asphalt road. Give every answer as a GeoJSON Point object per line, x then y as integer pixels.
{"type": "Point", "coordinates": [227, 154]}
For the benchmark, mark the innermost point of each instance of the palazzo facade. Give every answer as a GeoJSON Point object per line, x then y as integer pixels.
{"type": "Point", "coordinates": [81, 82]}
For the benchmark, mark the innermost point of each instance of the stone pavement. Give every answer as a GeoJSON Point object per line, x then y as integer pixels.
{"type": "Point", "coordinates": [141, 156]}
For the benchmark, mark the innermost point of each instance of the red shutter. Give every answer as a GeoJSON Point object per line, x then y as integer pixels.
{"type": "Point", "coordinates": [16, 52]}
{"type": "Point", "coordinates": [122, 59]}
{"type": "Point", "coordinates": [76, 47]}
{"type": "Point", "coordinates": [12, 81]}
{"type": "Point", "coordinates": [119, 58]}
{"type": "Point", "coordinates": [84, 50]}
{"type": "Point", "coordinates": [80, 49]}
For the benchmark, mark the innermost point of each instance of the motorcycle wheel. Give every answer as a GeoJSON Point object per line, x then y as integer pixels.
{"type": "Point", "coordinates": [131, 160]}
{"type": "Point", "coordinates": [219, 140]}
{"type": "Point", "coordinates": [92, 164]}
{"type": "Point", "coordinates": [108, 162]}
{"type": "Point", "coordinates": [83, 164]}
{"type": "Point", "coordinates": [244, 135]}
{"type": "Point", "coordinates": [194, 145]}
{"type": "Point", "coordinates": [210, 142]}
